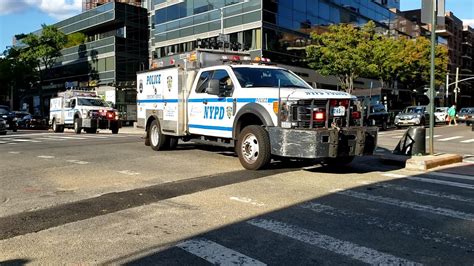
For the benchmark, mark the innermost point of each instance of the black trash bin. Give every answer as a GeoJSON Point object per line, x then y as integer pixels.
{"type": "Point", "coordinates": [413, 142]}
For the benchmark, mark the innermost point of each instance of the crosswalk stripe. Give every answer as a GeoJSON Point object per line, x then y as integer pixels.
{"type": "Point", "coordinates": [216, 253]}
{"type": "Point", "coordinates": [60, 137]}
{"type": "Point", "coordinates": [409, 205]}
{"type": "Point", "coordinates": [392, 226]}
{"type": "Point", "coordinates": [24, 140]}
{"type": "Point", "coordinates": [427, 192]}
{"type": "Point", "coordinates": [2, 142]}
{"type": "Point", "coordinates": [434, 136]}
{"type": "Point", "coordinates": [457, 176]}
{"type": "Point", "coordinates": [50, 138]}
{"type": "Point", "coordinates": [467, 141]}
{"type": "Point", "coordinates": [332, 244]}
{"type": "Point", "coordinates": [450, 138]}
{"type": "Point", "coordinates": [441, 182]}
{"type": "Point", "coordinates": [94, 137]}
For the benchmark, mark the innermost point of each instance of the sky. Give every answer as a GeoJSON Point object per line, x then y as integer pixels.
{"type": "Point", "coordinates": [24, 16]}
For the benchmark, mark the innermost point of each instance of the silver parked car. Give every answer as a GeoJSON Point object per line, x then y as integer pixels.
{"type": "Point", "coordinates": [412, 116]}
{"type": "Point", "coordinates": [441, 114]}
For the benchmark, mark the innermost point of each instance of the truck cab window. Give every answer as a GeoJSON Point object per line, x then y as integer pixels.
{"type": "Point", "coordinates": [203, 81]}
{"type": "Point", "coordinates": [72, 103]}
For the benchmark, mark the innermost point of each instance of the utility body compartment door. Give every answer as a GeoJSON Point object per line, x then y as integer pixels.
{"type": "Point", "coordinates": [209, 114]}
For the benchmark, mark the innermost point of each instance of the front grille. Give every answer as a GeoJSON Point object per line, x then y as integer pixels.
{"type": "Point", "coordinates": [302, 113]}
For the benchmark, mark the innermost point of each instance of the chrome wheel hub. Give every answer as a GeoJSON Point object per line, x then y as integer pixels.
{"type": "Point", "coordinates": [250, 148]}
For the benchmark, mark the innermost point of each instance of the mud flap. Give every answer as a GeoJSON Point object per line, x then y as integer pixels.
{"type": "Point", "coordinates": [333, 143]}
{"type": "Point", "coordinates": [360, 143]}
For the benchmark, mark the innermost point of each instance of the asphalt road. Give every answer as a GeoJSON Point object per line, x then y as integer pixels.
{"type": "Point", "coordinates": [103, 198]}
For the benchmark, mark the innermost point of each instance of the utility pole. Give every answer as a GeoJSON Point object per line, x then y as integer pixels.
{"type": "Point", "coordinates": [456, 87]}
{"type": "Point", "coordinates": [432, 74]}
{"type": "Point", "coordinates": [446, 89]}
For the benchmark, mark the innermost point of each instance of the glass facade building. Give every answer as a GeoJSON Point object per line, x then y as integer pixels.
{"type": "Point", "coordinates": [115, 48]}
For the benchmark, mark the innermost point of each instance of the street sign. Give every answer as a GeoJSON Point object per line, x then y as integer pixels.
{"type": "Point", "coordinates": [426, 11]}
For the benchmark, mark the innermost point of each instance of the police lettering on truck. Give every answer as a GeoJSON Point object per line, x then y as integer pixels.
{"type": "Point", "coordinates": [262, 111]}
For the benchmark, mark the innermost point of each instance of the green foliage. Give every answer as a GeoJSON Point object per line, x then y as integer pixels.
{"type": "Point", "coordinates": [348, 53]}
{"type": "Point", "coordinates": [342, 52]}
{"type": "Point", "coordinates": [44, 48]}
{"type": "Point", "coordinates": [75, 39]}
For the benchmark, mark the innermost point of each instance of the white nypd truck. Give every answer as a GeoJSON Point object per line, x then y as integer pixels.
{"type": "Point", "coordinates": [263, 111]}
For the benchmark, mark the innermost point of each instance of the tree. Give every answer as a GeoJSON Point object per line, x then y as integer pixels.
{"type": "Point", "coordinates": [343, 51]}
{"type": "Point", "coordinates": [42, 50]}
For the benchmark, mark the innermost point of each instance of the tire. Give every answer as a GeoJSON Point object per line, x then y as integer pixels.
{"type": "Point", "coordinates": [77, 125]}
{"type": "Point", "coordinates": [57, 128]}
{"type": "Point", "coordinates": [157, 140]}
{"type": "Point", "coordinates": [172, 143]}
{"type": "Point", "coordinates": [15, 129]}
{"type": "Point", "coordinates": [338, 161]}
{"type": "Point", "coordinates": [3, 133]}
{"type": "Point", "coordinates": [253, 147]}
{"type": "Point", "coordinates": [398, 127]}
{"type": "Point", "coordinates": [115, 130]}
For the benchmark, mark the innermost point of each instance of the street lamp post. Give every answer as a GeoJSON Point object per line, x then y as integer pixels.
{"type": "Point", "coordinates": [432, 73]}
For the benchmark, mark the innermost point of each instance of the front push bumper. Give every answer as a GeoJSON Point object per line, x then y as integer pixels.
{"type": "Point", "coordinates": [323, 143]}
{"type": "Point", "coordinates": [101, 123]}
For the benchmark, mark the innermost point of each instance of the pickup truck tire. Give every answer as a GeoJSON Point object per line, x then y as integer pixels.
{"type": "Point", "coordinates": [172, 143]}
{"type": "Point", "coordinates": [158, 141]}
{"type": "Point", "coordinates": [253, 147]}
{"type": "Point", "coordinates": [77, 125]}
{"type": "Point", "coordinates": [57, 128]}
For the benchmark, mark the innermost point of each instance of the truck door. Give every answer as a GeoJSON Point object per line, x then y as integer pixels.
{"type": "Point", "coordinates": [208, 114]}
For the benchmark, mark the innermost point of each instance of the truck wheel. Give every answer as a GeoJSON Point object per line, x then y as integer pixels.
{"type": "Point", "coordinates": [158, 141]}
{"type": "Point", "coordinates": [77, 126]}
{"type": "Point", "coordinates": [57, 128]}
{"type": "Point", "coordinates": [172, 143]}
{"type": "Point", "coordinates": [253, 147]}
{"type": "Point", "coordinates": [338, 161]}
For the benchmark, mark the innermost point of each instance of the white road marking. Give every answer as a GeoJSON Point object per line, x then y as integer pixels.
{"type": "Point", "coordinates": [467, 141]}
{"type": "Point", "coordinates": [410, 205]}
{"type": "Point", "coordinates": [2, 142]}
{"type": "Point", "coordinates": [451, 138]}
{"type": "Point", "coordinates": [14, 152]}
{"type": "Point", "coordinates": [427, 192]}
{"type": "Point", "coordinates": [95, 137]}
{"type": "Point", "coordinates": [468, 161]}
{"type": "Point", "coordinates": [60, 137]}
{"type": "Point", "coordinates": [50, 138]}
{"type": "Point", "coordinates": [23, 135]}
{"type": "Point", "coordinates": [24, 140]}
{"type": "Point", "coordinates": [392, 226]}
{"type": "Point", "coordinates": [12, 143]}
{"type": "Point", "coordinates": [341, 247]}
{"type": "Point", "coordinates": [128, 172]}
{"type": "Point", "coordinates": [441, 182]}
{"type": "Point", "coordinates": [248, 200]}
{"type": "Point", "coordinates": [457, 176]}
{"type": "Point", "coordinates": [434, 136]}
{"type": "Point", "coordinates": [397, 137]}
{"type": "Point", "coordinates": [45, 156]}
{"type": "Point", "coordinates": [77, 161]}
{"type": "Point", "coordinates": [216, 254]}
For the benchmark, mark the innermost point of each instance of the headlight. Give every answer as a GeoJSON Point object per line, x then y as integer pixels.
{"type": "Point", "coordinates": [14, 119]}
{"type": "Point", "coordinates": [286, 110]}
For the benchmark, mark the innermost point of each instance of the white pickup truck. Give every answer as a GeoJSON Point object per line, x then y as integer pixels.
{"type": "Point", "coordinates": [82, 110]}
{"type": "Point", "coordinates": [262, 111]}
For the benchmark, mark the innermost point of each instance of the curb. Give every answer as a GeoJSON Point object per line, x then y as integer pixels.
{"type": "Point", "coordinates": [424, 163]}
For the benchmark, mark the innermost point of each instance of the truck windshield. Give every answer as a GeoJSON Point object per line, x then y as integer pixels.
{"type": "Point", "coordinates": [92, 102]}
{"type": "Point", "coordinates": [267, 77]}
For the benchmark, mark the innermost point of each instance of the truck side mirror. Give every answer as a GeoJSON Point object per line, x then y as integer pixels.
{"type": "Point", "coordinates": [215, 88]}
